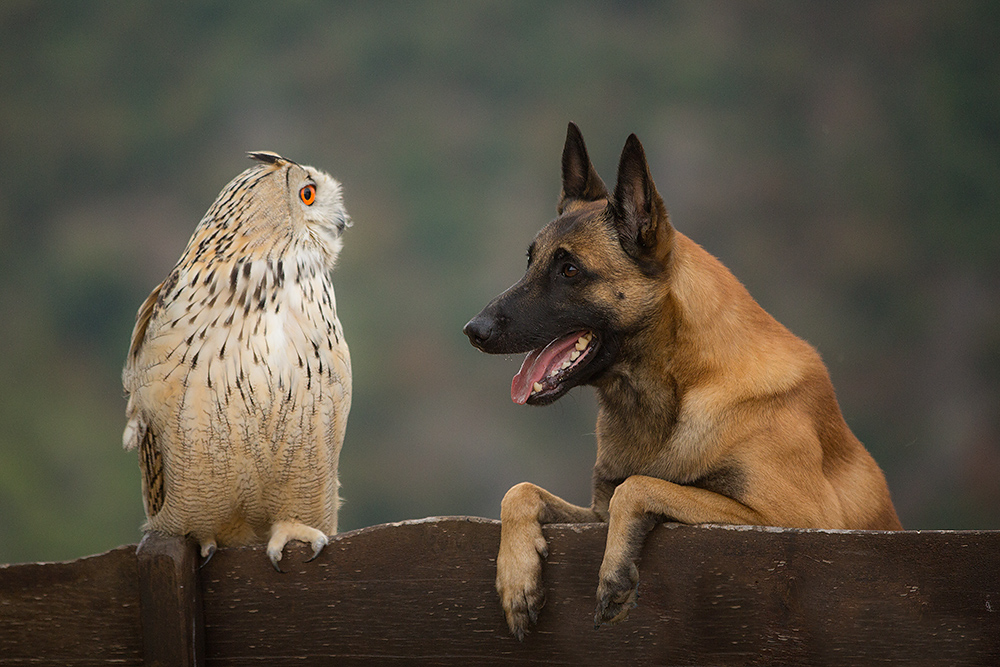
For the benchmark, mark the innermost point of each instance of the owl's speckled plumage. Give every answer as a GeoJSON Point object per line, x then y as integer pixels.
{"type": "Point", "coordinates": [238, 375]}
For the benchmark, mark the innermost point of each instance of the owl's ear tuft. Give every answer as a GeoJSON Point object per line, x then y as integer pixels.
{"type": "Point", "coordinates": [266, 157]}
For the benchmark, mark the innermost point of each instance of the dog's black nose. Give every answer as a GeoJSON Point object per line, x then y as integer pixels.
{"type": "Point", "coordinates": [479, 330]}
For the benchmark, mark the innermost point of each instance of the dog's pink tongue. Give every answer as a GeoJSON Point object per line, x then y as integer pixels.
{"type": "Point", "coordinates": [520, 386]}
{"type": "Point", "coordinates": [537, 366]}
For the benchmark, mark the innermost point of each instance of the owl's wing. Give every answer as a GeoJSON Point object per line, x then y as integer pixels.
{"type": "Point", "coordinates": [142, 322]}
{"type": "Point", "coordinates": [136, 426]}
{"type": "Point", "coordinates": [151, 466]}
{"type": "Point", "coordinates": [139, 433]}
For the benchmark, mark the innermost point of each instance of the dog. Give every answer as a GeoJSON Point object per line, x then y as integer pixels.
{"type": "Point", "coordinates": [709, 410]}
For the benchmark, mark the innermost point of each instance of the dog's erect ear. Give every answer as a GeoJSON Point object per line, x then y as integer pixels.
{"type": "Point", "coordinates": [639, 214]}
{"type": "Point", "coordinates": [579, 178]}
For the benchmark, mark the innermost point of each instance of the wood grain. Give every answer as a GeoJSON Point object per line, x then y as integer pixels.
{"type": "Point", "coordinates": [422, 593]}
{"type": "Point", "coordinates": [85, 612]}
{"type": "Point", "coordinates": [170, 602]}
{"type": "Point", "coordinates": [708, 595]}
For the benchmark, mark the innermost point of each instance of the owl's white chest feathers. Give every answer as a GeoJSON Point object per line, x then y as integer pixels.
{"type": "Point", "coordinates": [248, 355]}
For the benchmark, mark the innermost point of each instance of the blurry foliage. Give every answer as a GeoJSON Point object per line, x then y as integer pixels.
{"type": "Point", "coordinates": [843, 159]}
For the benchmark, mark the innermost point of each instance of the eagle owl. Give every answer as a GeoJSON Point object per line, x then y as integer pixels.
{"type": "Point", "coordinates": [238, 375]}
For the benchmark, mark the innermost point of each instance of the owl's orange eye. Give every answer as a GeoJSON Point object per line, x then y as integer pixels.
{"type": "Point", "coordinates": [308, 194]}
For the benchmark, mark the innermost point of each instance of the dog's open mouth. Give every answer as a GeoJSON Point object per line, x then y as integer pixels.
{"type": "Point", "coordinates": [545, 370]}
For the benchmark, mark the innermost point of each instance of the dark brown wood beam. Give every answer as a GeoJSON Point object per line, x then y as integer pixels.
{"type": "Point", "coordinates": [421, 592]}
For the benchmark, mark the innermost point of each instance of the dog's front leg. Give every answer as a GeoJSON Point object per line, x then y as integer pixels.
{"type": "Point", "coordinates": [639, 504]}
{"type": "Point", "coordinates": [522, 547]}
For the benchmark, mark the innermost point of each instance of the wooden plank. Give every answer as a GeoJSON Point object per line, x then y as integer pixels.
{"type": "Point", "coordinates": [422, 592]}
{"type": "Point", "coordinates": [84, 612]}
{"type": "Point", "coordinates": [170, 598]}
{"type": "Point", "coordinates": [773, 597]}
{"type": "Point", "coordinates": [391, 593]}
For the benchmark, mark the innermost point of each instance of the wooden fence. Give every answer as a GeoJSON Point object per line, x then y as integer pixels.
{"type": "Point", "coordinates": [421, 592]}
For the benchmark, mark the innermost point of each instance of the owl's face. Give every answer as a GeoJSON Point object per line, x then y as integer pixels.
{"type": "Point", "coordinates": [276, 199]}
{"type": "Point", "coordinates": [316, 205]}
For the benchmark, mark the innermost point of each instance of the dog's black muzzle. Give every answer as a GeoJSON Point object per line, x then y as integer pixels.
{"type": "Point", "coordinates": [491, 330]}
{"type": "Point", "coordinates": [521, 319]}
{"type": "Point", "coordinates": [483, 331]}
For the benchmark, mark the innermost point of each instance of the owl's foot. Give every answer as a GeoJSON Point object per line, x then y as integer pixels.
{"type": "Point", "coordinates": [207, 550]}
{"type": "Point", "coordinates": [283, 531]}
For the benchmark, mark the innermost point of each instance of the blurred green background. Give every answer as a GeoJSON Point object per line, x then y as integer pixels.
{"type": "Point", "coordinates": [843, 159]}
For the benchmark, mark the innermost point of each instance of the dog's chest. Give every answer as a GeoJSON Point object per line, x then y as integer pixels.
{"type": "Point", "coordinates": [665, 442]}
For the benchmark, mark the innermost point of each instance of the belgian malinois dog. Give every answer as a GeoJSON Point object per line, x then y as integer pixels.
{"type": "Point", "coordinates": [710, 411]}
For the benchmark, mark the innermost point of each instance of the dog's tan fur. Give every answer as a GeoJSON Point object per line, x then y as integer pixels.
{"type": "Point", "coordinates": [710, 411]}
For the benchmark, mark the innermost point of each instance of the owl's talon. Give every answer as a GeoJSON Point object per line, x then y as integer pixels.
{"type": "Point", "coordinates": [317, 546]}
{"type": "Point", "coordinates": [208, 550]}
{"type": "Point", "coordinates": [283, 531]}
{"type": "Point", "coordinates": [274, 558]}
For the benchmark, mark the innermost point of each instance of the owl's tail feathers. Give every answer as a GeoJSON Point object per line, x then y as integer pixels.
{"type": "Point", "coordinates": [283, 531]}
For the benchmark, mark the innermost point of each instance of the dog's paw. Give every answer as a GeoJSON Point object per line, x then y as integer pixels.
{"type": "Point", "coordinates": [617, 595]}
{"type": "Point", "coordinates": [521, 607]}
{"type": "Point", "coordinates": [519, 581]}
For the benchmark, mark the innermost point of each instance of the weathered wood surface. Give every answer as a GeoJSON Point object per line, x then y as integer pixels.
{"type": "Point", "coordinates": [721, 596]}
{"type": "Point", "coordinates": [85, 612]}
{"type": "Point", "coordinates": [422, 592]}
{"type": "Point", "coordinates": [170, 600]}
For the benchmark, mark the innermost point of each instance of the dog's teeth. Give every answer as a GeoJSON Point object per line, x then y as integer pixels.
{"type": "Point", "coordinates": [537, 387]}
{"type": "Point", "coordinates": [566, 364]}
{"type": "Point", "coordinates": [574, 355]}
{"type": "Point", "coordinates": [555, 371]}
{"type": "Point", "coordinates": [581, 344]}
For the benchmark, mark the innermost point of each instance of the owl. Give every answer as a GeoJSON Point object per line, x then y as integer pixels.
{"type": "Point", "coordinates": [238, 376]}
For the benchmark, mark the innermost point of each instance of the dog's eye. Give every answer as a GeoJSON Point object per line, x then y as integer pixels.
{"type": "Point", "coordinates": [569, 270]}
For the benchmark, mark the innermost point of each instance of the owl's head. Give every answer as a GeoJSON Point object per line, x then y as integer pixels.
{"type": "Point", "coordinates": [315, 200]}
